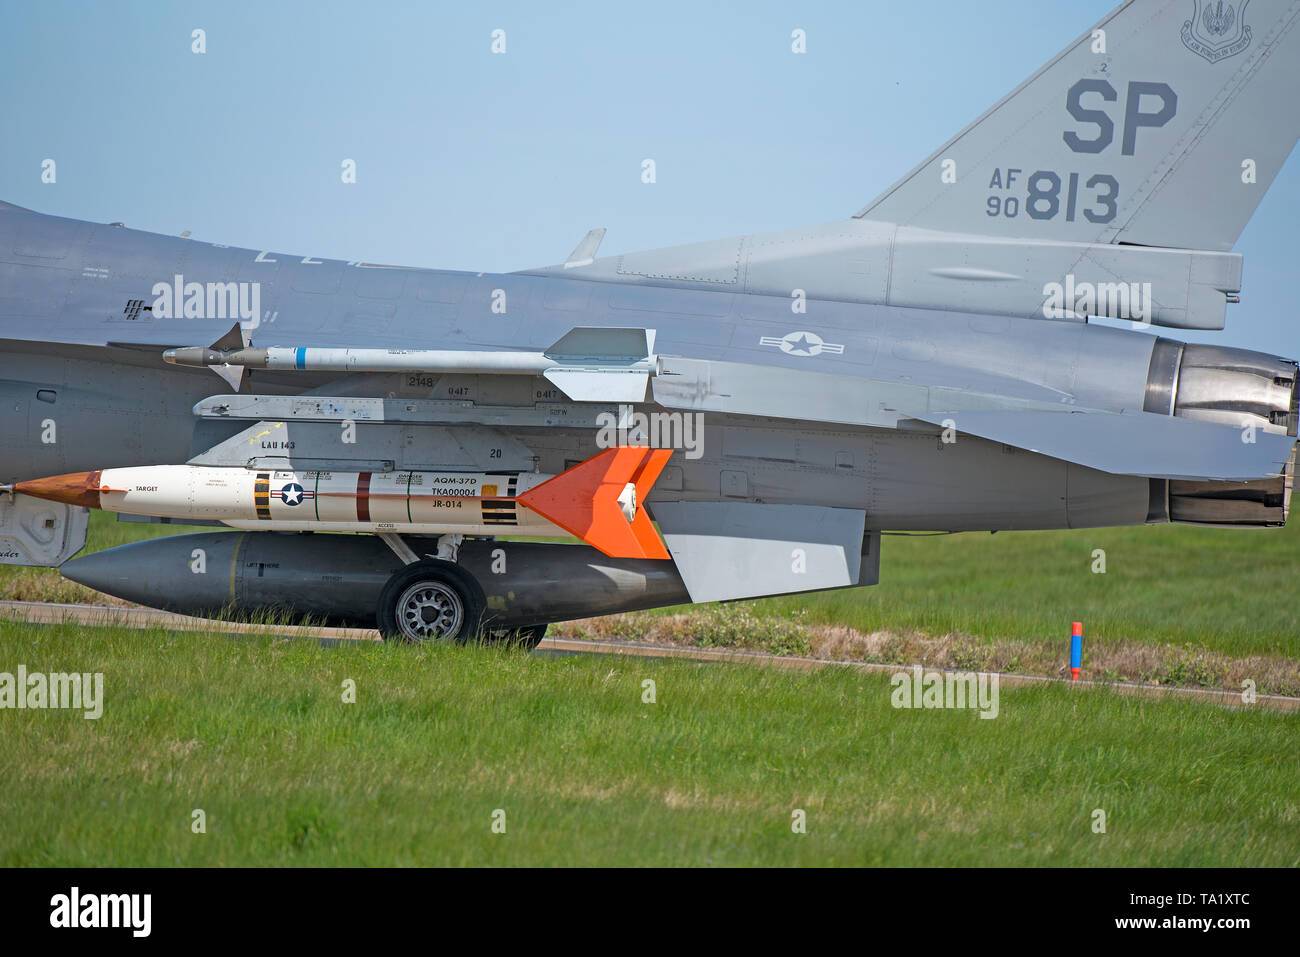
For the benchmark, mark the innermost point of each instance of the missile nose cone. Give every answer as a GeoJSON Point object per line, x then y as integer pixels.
{"type": "Point", "coordinates": [75, 488]}
{"type": "Point", "coordinates": [188, 356]}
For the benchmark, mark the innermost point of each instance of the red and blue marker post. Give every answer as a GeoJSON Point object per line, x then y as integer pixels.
{"type": "Point", "coordinates": [1076, 650]}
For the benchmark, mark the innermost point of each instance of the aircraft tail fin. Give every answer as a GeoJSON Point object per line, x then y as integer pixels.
{"type": "Point", "coordinates": [1162, 126]}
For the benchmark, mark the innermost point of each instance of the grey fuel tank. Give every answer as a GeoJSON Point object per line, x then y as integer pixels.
{"type": "Point", "coordinates": [336, 579]}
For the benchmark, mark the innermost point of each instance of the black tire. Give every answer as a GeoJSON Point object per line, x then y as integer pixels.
{"type": "Point", "coordinates": [431, 600]}
{"type": "Point", "coordinates": [525, 638]}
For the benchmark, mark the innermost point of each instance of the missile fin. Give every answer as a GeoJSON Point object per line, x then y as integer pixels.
{"type": "Point", "coordinates": [584, 501]}
{"type": "Point", "coordinates": [233, 340]}
{"type": "Point", "coordinates": [602, 344]}
{"type": "Point", "coordinates": [234, 375]}
{"type": "Point", "coordinates": [651, 544]}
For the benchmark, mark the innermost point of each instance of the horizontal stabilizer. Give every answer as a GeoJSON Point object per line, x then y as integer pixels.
{"type": "Point", "coordinates": [728, 550]}
{"type": "Point", "coordinates": [1132, 443]}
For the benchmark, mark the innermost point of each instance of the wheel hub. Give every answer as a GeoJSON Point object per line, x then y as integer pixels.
{"type": "Point", "coordinates": [430, 611]}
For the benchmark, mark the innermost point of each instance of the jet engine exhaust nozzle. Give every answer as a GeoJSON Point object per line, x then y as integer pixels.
{"type": "Point", "coordinates": [1234, 387]}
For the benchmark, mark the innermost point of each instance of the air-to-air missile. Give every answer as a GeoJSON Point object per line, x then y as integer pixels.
{"type": "Point", "coordinates": [599, 500]}
{"type": "Point", "coordinates": [587, 364]}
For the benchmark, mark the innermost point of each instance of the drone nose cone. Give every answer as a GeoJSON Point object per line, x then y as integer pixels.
{"type": "Point", "coordinates": [75, 488]}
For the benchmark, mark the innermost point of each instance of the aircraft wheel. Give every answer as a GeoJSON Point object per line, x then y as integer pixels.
{"type": "Point", "coordinates": [431, 600]}
{"type": "Point", "coordinates": [525, 639]}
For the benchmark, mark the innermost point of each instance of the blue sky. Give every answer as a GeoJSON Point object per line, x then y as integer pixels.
{"type": "Point", "coordinates": [468, 160]}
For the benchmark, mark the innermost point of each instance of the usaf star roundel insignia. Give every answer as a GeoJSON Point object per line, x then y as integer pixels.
{"type": "Point", "coordinates": [802, 344]}
{"type": "Point", "coordinates": [291, 494]}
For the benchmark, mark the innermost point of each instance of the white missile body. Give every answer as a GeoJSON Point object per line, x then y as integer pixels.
{"type": "Point", "coordinates": [589, 364]}
{"type": "Point", "coordinates": [595, 500]}
{"type": "Point", "coordinates": [465, 503]}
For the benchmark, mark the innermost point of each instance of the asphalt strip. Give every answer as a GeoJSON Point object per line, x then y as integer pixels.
{"type": "Point", "coordinates": [47, 613]}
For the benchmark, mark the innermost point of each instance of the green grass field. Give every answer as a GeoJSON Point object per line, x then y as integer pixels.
{"type": "Point", "coordinates": [255, 733]}
{"type": "Point", "coordinates": [1175, 605]}
{"type": "Point", "coordinates": [1230, 590]}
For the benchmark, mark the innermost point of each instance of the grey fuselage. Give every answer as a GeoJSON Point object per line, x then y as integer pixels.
{"type": "Point", "coordinates": [83, 385]}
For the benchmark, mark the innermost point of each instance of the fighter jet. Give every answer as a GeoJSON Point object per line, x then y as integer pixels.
{"type": "Point", "coordinates": [707, 422]}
